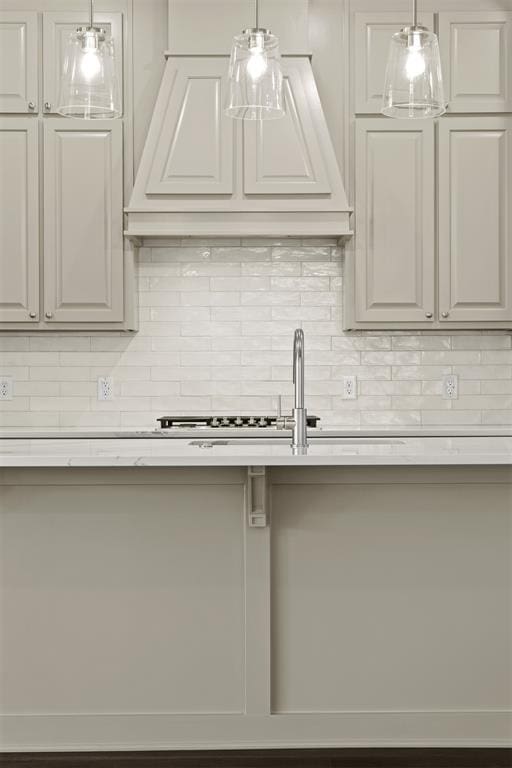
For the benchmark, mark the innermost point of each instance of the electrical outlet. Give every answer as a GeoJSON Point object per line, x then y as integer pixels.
{"type": "Point", "coordinates": [6, 388]}
{"type": "Point", "coordinates": [105, 388]}
{"type": "Point", "coordinates": [350, 388]}
{"type": "Point", "coordinates": [451, 386]}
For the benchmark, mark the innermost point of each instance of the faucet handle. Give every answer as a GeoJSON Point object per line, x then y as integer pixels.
{"type": "Point", "coordinates": [278, 407]}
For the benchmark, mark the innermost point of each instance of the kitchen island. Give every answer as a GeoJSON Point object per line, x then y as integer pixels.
{"type": "Point", "coordinates": [161, 594]}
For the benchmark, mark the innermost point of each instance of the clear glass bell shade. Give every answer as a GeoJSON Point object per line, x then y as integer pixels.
{"type": "Point", "coordinates": [89, 85]}
{"type": "Point", "coordinates": [255, 77]}
{"type": "Point", "coordinates": [414, 83]}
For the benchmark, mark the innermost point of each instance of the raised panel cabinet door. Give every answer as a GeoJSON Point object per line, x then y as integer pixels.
{"type": "Point", "coordinates": [476, 52]}
{"type": "Point", "coordinates": [194, 151]}
{"type": "Point", "coordinates": [394, 191]}
{"type": "Point", "coordinates": [83, 232]}
{"type": "Point", "coordinates": [57, 26]}
{"type": "Point", "coordinates": [475, 219]}
{"type": "Point", "coordinates": [18, 61]}
{"type": "Point", "coordinates": [19, 220]}
{"type": "Point", "coordinates": [371, 35]}
{"type": "Point", "coordinates": [285, 156]}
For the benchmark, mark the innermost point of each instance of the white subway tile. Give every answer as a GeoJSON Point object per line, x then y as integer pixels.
{"type": "Point", "coordinates": [59, 403]}
{"type": "Point", "coordinates": [240, 283]}
{"type": "Point", "coordinates": [442, 418]}
{"type": "Point", "coordinates": [390, 418]}
{"type": "Point", "coordinates": [421, 342]}
{"type": "Point", "coordinates": [14, 344]}
{"type": "Point", "coordinates": [211, 269]}
{"type": "Point", "coordinates": [483, 372]}
{"type": "Point", "coordinates": [216, 332]}
{"type": "Point", "coordinates": [494, 341]}
{"type": "Point", "coordinates": [270, 298]}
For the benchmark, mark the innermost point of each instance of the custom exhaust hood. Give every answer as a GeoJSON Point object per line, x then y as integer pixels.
{"type": "Point", "coordinates": [205, 174]}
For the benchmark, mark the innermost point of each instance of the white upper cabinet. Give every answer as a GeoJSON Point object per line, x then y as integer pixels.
{"type": "Point", "coordinates": [394, 270]}
{"type": "Point", "coordinates": [476, 51]}
{"type": "Point", "coordinates": [57, 25]}
{"type": "Point", "coordinates": [194, 152]}
{"type": "Point", "coordinates": [371, 35]}
{"type": "Point", "coordinates": [285, 156]}
{"type": "Point", "coordinates": [18, 61]}
{"type": "Point", "coordinates": [83, 232]}
{"type": "Point", "coordinates": [19, 220]}
{"type": "Point", "coordinates": [475, 219]}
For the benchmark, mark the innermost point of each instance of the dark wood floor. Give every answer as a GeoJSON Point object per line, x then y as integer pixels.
{"type": "Point", "coordinates": [273, 758]}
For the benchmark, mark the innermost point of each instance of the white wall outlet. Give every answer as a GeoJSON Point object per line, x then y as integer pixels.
{"type": "Point", "coordinates": [350, 388]}
{"type": "Point", "coordinates": [105, 388]}
{"type": "Point", "coordinates": [450, 386]}
{"type": "Point", "coordinates": [6, 388]}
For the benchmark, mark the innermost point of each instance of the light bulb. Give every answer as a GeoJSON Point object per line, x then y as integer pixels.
{"type": "Point", "coordinates": [415, 64]}
{"type": "Point", "coordinates": [257, 64]}
{"type": "Point", "coordinates": [90, 65]}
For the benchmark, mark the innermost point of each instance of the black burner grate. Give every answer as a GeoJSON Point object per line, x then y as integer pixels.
{"type": "Point", "coordinates": [226, 422]}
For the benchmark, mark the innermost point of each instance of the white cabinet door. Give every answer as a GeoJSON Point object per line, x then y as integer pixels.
{"type": "Point", "coordinates": [83, 232]}
{"type": "Point", "coordinates": [372, 34]}
{"type": "Point", "coordinates": [57, 25]}
{"type": "Point", "coordinates": [18, 61]}
{"type": "Point", "coordinates": [194, 151]}
{"type": "Point", "coordinates": [19, 220]}
{"type": "Point", "coordinates": [394, 268]}
{"type": "Point", "coordinates": [475, 219]}
{"type": "Point", "coordinates": [476, 50]}
{"type": "Point", "coordinates": [285, 156]}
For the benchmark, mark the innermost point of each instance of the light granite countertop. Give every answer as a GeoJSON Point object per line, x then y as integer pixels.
{"type": "Point", "coordinates": [206, 450]}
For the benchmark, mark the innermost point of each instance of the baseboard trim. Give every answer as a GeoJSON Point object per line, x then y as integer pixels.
{"type": "Point", "coordinates": [267, 758]}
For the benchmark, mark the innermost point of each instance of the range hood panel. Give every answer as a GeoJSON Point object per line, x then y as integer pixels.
{"type": "Point", "coordinates": [203, 173]}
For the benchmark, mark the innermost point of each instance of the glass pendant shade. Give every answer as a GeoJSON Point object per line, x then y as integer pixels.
{"type": "Point", "coordinates": [89, 85]}
{"type": "Point", "coordinates": [414, 84]}
{"type": "Point", "coordinates": [255, 90]}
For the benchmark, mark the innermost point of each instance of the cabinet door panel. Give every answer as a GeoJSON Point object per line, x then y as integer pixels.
{"type": "Point", "coordinates": [371, 36]}
{"type": "Point", "coordinates": [83, 242]}
{"type": "Point", "coordinates": [194, 152]}
{"type": "Point", "coordinates": [475, 214]}
{"type": "Point", "coordinates": [57, 25]}
{"type": "Point", "coordinates": [19, 220]}
{"type": "Point", "coordinates": [476, 50]}
{"type": "Point", "coordinates": [18, 61]}
{"type": "Point", "coordinates": [394, 221]}
{"type": "Point", "coordinates": [285, 156]}
{"type": "Point", "coordinates": [390, 596]}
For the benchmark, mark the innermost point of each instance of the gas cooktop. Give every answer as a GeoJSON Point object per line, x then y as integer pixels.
{"type": "Point", "coordinates": [225, 422]}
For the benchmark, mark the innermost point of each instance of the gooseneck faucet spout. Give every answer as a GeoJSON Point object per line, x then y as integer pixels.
{"type": "Point", "coordinates": [300, 422]}
{"type": "Point", "coordinates": [298, 367]}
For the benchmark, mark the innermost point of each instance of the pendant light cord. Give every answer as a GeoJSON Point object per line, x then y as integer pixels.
{"type": "Point", "coordinates": [257, 14]}
{"type": "Point", "coordinates": [91, 15]}
{"type": "Point", "coordinates": [414, 13]}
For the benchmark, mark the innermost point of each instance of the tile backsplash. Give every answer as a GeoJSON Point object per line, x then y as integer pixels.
{"type": "Point", "coordinates": [216, 327]}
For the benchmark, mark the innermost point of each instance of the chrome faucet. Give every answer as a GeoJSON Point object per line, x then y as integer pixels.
{"type": "Point", "coordinates": [298, 421]}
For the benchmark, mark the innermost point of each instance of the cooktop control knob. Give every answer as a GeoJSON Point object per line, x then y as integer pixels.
{"type": "Point", "coordinates": [239, 422]}
{"type": "Point", "coordinates": [215, 422]}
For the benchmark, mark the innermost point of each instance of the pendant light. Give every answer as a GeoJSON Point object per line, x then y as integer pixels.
{"type": "Point", "coordinates": [89, 86]}
{"type": "Point", "coordinates": [255, 77]}
{"type": "Point", "coordinates": [414, 84]}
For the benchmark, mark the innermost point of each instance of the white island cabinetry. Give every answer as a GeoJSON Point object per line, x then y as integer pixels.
{"type": "Point", "coordinates": [373, 608]}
